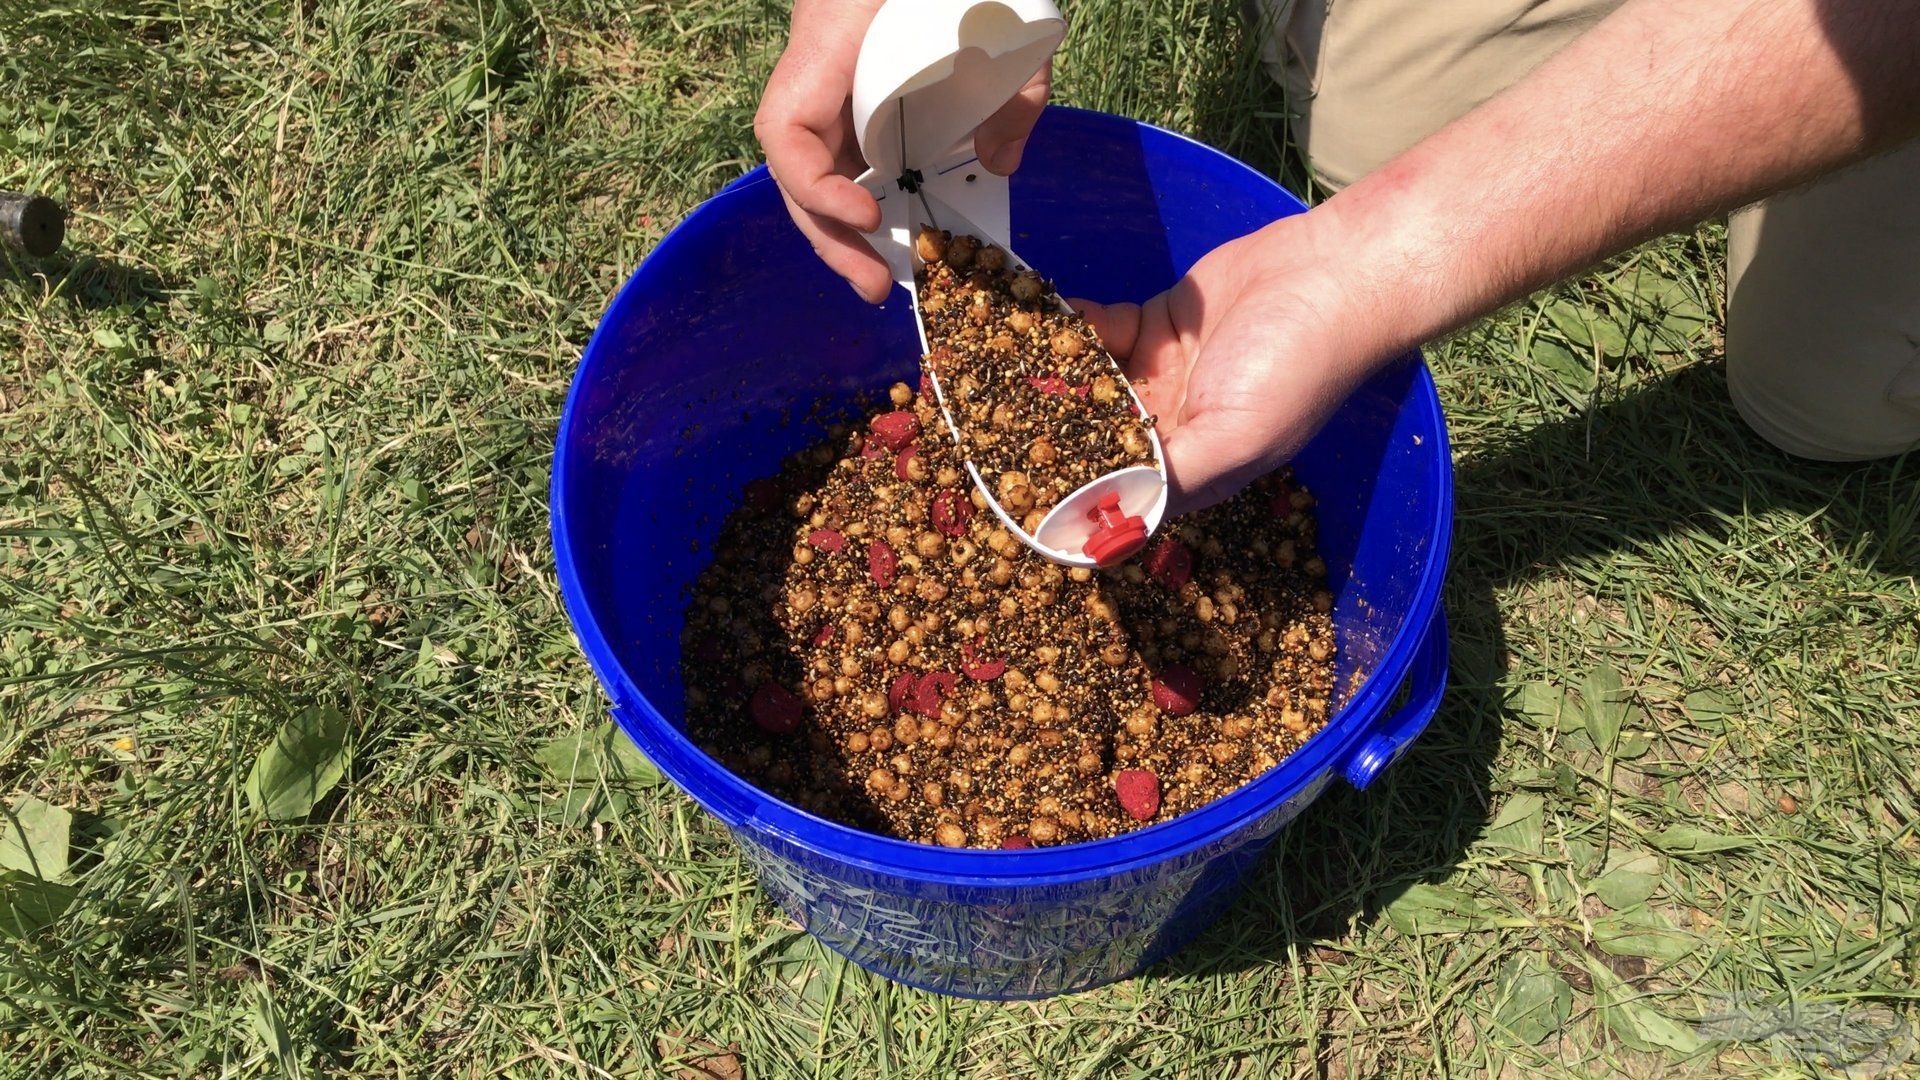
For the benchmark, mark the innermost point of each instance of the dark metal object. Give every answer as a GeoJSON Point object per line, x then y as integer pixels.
{"type": "Point", "coordinates": [34, 224]}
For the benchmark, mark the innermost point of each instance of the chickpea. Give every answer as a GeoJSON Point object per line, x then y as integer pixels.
{"type": "Point", "coordinates": [1087, 763]}
{"type": "Point", "coordinates": [980, 310]}
{"type": "Point", "coordinates": [930, 590]}
{"type": "Point", "coordinates": [1323, 601]}
{"type": "Point", "coordinates": [933, 793]}
{"type": "Point", "coordinates": [916, 469]}
{"type": "Point", "coordinates": [898, 618]}
{"type": "Point", "coordinates": [948, 476]}
{"type": "Point", "coordinates": [1236, 727]}
{"type": "Point", "coordinates": [820, 690]}
{"type": "Point", "coordinates": [906, 731]}
{"type": "Point", "coordinates": [1293, 720]}
{"type": "Point", "coordinates": [1016, 492]}
{"type": "Point", "coordinates": [898, 652]}
{"type": "Point", "coordinates": [1047, 681]}
{"type": "Point", "coordinates": [873, 705]}
{"type": "Point", "coordinates": [1080, 574]}
{"type": "Point", "coordinates": [1284, 555]}
{"type": "Point", "coordinates": [1043, 452]}
{"type": "Point", "coordinates": [802, 600]}
{"type": "Point", "coordinates": [942, 738]}
{"type": "Point", "coordinates": [1133, 574]}
{"type": "Point", "coordinates": [1223, 752]}
{"type": "Point", "coordinates": [930, 544]}
{"type": "Point", "coordinates": [900, 394]}
{"type": "Point", "coordinates": [931, 244]}
{"type": "Point", "coordinates": [1320, 649]}
{"type": "Point", "coordinates": [898, 793]}
{"type": "Point", "coordinates": [803, 553]}
{"type": "Point", "coordinates": [902, 764]}
{"type": "Point", "coordinates": [1052, 737]}
{"type": "Point", "coordinates": [1134, 441]}
{"type": "Point", "coordinates": [881, 738]}
{"type": "Point", "coordinates": [1042, 830]}
{"type": "Point", "coordinates": [1009, 607]}
{"type": "Point", "coordinates": [962, 551]}
{"type": "Point", "coordinates": [880, 779]}
{"type": "Point", "coordinates": [841, 685]}
{"type": "Point", "coordinates": [1203, 609]}
{"type": "Point", "coordinates": [857, 743]}
{"type": "Point", "coordinates": [1141, 724]}
{"type": "Point", "coordinates": [1044, 712]}
{"type": "Point", "coordinates": [1316, 567]}
{"type": "Point", "coordinates": [1020, 322]}
{"type": "Point", "coordinates": [1001, 573]}
{"type": "Point", "coordinates": [1105, 389]}
{"type": "Point", "coordinates": [1102, 608]}
{"type": "Point", "coordinates": [1020, 754]}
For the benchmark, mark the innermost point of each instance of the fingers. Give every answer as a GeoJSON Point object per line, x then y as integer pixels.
{"type": "Point", "coordinates": [806, 169]}
{"type": "Point", "coordinates": [845, 251]}
{"type": "Point", "coordinates": [1117, 324]}
{"type": "Point", "coordinates": [1002, 139]}
{"type": "Point", "coordinates": [1209, 461]}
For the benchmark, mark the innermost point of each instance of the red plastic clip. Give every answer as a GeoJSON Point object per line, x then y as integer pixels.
{"type": "Point", "coordinates": [1120, 534]}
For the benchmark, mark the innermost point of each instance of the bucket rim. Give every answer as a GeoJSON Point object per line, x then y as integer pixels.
{"type": "Point", "coordinates": [761, 815]}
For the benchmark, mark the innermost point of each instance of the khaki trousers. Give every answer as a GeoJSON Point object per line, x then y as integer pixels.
{"type": "Point", "coordinates": [1823, 310]}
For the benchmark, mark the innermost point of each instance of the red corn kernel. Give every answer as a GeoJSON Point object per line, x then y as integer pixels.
{"type": "Point", "coordinates": [899, 692]}
{"type": "Point", "coordinates": [1139, 792]}
{"type": "Point", "coordinates": [931, 691]}
{"type": "Point", "coordinates": [894, 430]}
{"type": "Point", "coordinates": [1016, 842]}
{"type": "Point", "coordinates": [1177, 690]}
{"type": "Point", "coordinates": [951, 512]}
{"type": "Point", "coordinates": [1170, 562]}
{"type": "Point", "coordinates": [824, 634]}
{"type": "Point", "coordinates": [776, 709]}
{"type": "Point", "coordinates": [826, 540]}
{"type": "Point", "coordinates": [981, 670]}
{"type": "Point", "coordinates": [882, 562]}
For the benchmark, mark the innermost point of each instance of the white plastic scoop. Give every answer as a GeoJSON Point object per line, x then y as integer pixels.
{"type": "Point", "coordinates": [930, 72]}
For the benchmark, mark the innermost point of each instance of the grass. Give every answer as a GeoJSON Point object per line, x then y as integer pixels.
{"type": "Point", "coordinates": [276, 430]}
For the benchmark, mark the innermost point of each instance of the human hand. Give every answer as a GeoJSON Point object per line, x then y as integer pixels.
{"type": "Point", "coordinates": [1245, 358]}
{"type": "Point", "coordinates": [805, 125]}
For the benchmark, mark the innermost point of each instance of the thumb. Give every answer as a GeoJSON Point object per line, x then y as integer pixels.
{"type": "Point", "coordinates": [1002, 139]}
{"type": "Point", "coordinates": [1210, 457]}
{"type": "Point", "coordinates": [1118, 325]}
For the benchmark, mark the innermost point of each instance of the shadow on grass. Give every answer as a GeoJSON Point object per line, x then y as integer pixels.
{"type": "Point", "coordinates": [1670, 455]}
{"type": "Point", "coordinates": [81, 280]}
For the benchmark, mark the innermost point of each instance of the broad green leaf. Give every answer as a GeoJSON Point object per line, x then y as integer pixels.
{"type": "Point", "coordinates": [1628, 878]}
{"type": "Point", "coordinates": [1530, 1000]}
{"type": "Point", "coordinates": [1644, 1028]}
{"type": "Point", "coordinates": [1437, 909]}
{"type": "Point", "coordinates": [602, 753]}
{"type": "Point", "coordinates": [1633, 744]}
{"type": "Point", "coordinates": [1535, 779]}
{"type": "Point", "coordinates": [1543, 702]}
{"type": "Point", "coordinates": [1519, 823]}
{"type": "Point", "coordinates": [1572, 321]}
{"type": "Point", "coordinates": [1640, 932]}
{"type": "Point", "coordinates": [1712, 704]}
{"type": "Point", "coordinates": [1688, 840]}
{"type": "Point", "coordinates": [1574, 372]}
{"type": "Point", "coordinates": [305, 759]}
{"type": "Point", "coordinates": [27, 904]}
{"type": "Point", "coordinates": [33, 838]}
{"type": "Point", "coordinates": [1605, 703]}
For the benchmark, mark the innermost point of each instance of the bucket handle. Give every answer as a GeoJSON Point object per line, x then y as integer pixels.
{"type": "Point", "coordinates": [1428, 680]}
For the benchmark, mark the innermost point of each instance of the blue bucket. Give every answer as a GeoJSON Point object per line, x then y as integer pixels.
{"type": "Point", "coordinates": [703, 375]}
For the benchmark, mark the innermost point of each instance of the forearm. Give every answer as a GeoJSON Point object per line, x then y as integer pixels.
{"type": "Point", "coordinates": [1664, 114]}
